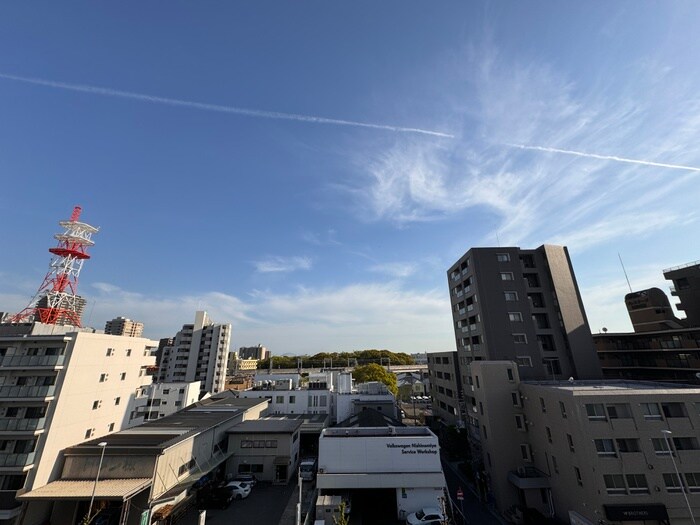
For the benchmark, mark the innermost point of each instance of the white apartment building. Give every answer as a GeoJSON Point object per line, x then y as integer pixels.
{"type": "Point", "coordinates": [199, 353]}
{"type": "Point", "coordinates": [590, 452]}
{"type": "Point", "coordinates": [158, 400]}
{"type": "Point", "coordinates": [58, 390]}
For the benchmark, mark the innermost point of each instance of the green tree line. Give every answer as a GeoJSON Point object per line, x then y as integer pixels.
{"type": "Point", "coordinates": [339, 359]}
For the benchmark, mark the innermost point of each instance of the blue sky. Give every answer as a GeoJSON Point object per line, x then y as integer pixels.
{"type": "Point", "coordinates": [308, 171]}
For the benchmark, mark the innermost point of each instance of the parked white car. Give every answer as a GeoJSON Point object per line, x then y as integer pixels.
{"type": "Point", "coordinates": [426, 516]}
{"type": "Point", "coordinates": [240, 489]}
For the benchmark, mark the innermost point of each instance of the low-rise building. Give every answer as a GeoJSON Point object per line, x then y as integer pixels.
{"type": "Point", "coordinates": [589, 448]}
{"type": "Point", "coordinates": [162, 399]}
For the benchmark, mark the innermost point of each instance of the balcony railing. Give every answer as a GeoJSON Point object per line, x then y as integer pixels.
{"type": "Point", "coordinates": [15, 424]}
{"type": "Point", "coordinates": [33, 360]}
{"type": "Point", "coordinates": [16, 460]}
{"type": "Point", "coordinates": [27, 391]}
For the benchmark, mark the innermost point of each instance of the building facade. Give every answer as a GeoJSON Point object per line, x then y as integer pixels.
{"type": "Point", "coordinates": [446, 387]}
{"type": "Point", "coordinates": [253, 352]}
{"type": "Point", "coordinates": [158, 400]}
{"type": "Point", "coordinates": [590, 449]}
{"type": "Point", "coordinates": [124, 326]}
{"type": "Point", "coordinates": [686, 286]}
{"type": "Point", "coordinates": [58, 390]}
{"type": "Point", "coordinates": [199, 353]}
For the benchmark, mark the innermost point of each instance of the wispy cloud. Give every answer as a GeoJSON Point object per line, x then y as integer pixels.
{"type": "Point", "coordinates": [282, 264]}
{"type": "Point", "coordinates": [604, 157]}
{"type": "Point", "coordinates": [397, 270]}
{"type": "Point", "coordinates": [256, 113]}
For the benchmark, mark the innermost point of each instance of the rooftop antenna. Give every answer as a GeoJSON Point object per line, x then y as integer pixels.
{"type": "Point", "coordinates": [498, 240]}
{"type": "Point", "coordinates": [624, 271]}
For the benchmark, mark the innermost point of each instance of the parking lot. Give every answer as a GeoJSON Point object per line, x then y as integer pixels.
{"type": "Point", "coordinates": [265, 505]}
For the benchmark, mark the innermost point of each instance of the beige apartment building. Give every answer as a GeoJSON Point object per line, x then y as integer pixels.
{"type": "Point", "coordinates": [589, 452]}
{"type": "Point", "coordinates": [124, 326]}
{"type": "Point", "coordinates": [198, 353]}
{"type": "Point", "coordinates": [59, 387]}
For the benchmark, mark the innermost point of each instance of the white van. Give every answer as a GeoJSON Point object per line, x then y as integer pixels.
{"type": "Point", "coordinates": [307, 468]}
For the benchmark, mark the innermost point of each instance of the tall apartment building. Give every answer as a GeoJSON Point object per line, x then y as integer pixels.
{"type": "Point", "coordinates": [199, 353]}
{"type": "Point", "coordinates": [445, 386]}
{"type": "Point", "coordinates": [523, 306]}
{"type": "Point", "coordinates": [253, 352]}
{"type": "Point", "coordinates": [59, 387]}
{"type": "Point", "coordinates": [589, 452]}
{"type": "Point", "coordinates": [686, 286]}
{"type": "Point", "coordinates": [124, 326]}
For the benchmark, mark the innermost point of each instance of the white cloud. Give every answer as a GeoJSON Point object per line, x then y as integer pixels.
{"type": "Point", "coordinates": [395, 269]}
{"type": "Point", "coordinates": [282, 264]}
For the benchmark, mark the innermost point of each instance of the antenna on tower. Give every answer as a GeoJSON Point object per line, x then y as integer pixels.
{"type": "Point", "coordinates": [624, 271]}
{"type": "Point", "coordinates": [57, 301]}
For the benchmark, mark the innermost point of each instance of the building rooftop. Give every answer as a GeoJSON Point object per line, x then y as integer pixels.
{"type": "Point", "coordinates": [616, 387]}
{"type": "Point", "coordinates": [377, 432]}
{"type": "Point", "coordinates": [267, 426]}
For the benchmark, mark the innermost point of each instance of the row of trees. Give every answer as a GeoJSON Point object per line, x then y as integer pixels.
{"type": "Point", "coordinates": [326, 359]}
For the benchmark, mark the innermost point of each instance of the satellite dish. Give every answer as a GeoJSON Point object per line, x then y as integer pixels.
{"type": "Point", "coordinates": [605, 330]}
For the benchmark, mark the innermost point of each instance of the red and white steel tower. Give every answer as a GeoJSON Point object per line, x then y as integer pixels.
{"type": "Point", "coordinates": [57, 301]}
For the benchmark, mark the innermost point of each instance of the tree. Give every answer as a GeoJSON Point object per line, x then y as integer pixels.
{"type": "Point", "coordinates": [342, 518]}
{"type": "Point", "coordinates": [374, 372]}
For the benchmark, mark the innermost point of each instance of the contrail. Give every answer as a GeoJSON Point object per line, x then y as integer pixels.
{"type": "Point", "coordinates": [605, 157]}
{"type": "Point", "coordinates": [95, 90]}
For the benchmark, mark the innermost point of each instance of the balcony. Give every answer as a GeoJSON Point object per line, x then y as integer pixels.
{"type": "Point", "coordinates": [9, 506]}
{"type": "Point", "coordinates": [24, 361]}
{"type": "Point", "coordinates": [529, 478]}
{"type": "Point", "coordinates": [25, 391]}
{"type": "Point", "coordinates": [16, 460]}
{"type": "Point", "coordinates": [22, 424]}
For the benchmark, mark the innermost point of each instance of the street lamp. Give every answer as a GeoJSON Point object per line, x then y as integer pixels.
{"type": "Point", "coordinates": [667, 433]}
{"type": "Point", "coordinates": [102, 444]}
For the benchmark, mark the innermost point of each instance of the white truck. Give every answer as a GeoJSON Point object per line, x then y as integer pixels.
{"type": "Point", "coordinates": [307, 469]}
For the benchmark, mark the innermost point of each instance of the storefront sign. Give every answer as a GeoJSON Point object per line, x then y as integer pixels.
{"type": "Point", "coordinates": [414, 448]}
{"type": "Point", "coordinates": [635, 512]}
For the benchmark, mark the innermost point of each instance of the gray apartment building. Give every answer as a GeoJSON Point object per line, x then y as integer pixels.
{"type": "Point", "coordinates": [589, 452]}
{"type": "Point", "coordinates": [686, 286]}
{"type": "Point", "coordinates": [199, 353]}
{"type": "Point", "coordinates": [445, 387]}
{"type": "Point", "coordinates": [253, 352]}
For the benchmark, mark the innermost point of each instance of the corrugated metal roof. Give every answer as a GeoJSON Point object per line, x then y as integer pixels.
{"type": "Point", "coordinates": [119, 489]}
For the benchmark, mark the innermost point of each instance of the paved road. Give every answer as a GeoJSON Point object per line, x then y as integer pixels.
{"type": "Point", "coordinates": [264, 506]}
{"type": "Point", "coordinates": [476, 512]}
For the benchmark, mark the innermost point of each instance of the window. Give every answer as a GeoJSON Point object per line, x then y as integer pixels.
{"type": "Point", "coordinates": [519, 422]}
{"type": "Point", "coordinates": [122, 376]}
{"type": "Point", "coordinates": [481, 408]}
{"type": "Point", "coordinates": [117, 400]}
{"type": "Point", "coordinates": [89, 432]}
{"type": "Point", "coordinates": [246, 443]}
{"type": "Point", "coordinates": [503, 257]}
{"type": "Point", "coordinates": [627, 445]}
{"type": "Point", "coordinates": [96, 404]}
{"type": "Point", "coordinates": [515, 398]}
{"type": "Point", "coordinates": [562, 407]}
{"type": "Point", "coordinates": [510, 374]}
{"type": "Point", "coordinates": [596, 412]}
{"type": "Point", "coordinates": [271, 443]}
{"type": "Point", "coordinates": [579, 480]}
{"type": "Point", "coordinates": [693, 481]}
{"type": "Point", "coordinates": [552, 365]}
{"type": "Point", "coordinates": [548, 431]}
{"type": "Point", "coordinates": [605, 447]}
{"type": "Point", "coordinates": [128, 352]}
{"type": "Point", "coordinates": [686, 443]}
{"type": "Point", "coordinates": [661, 446]}
{"type": "Point", "coordinates": [511, 296]}
{"type": "Point", "coordinates": [651, 411]}
{"type": "Point", "coordinates": [619, 411]}
{"type": "Point", "coordinates": [166, 391]}
{"type": "Point", "coordinates": [506, 276]}
{"type": "Point", "coordinates": [555, 466]}
{"type": "Point", "coordinates": [637, 483]}
{"type": "Point", "coordinates": [674, 410]}
{"type": "Point", "coordinates": [615, 483]}
{"type": "Point", "coordinates": [520, 339]}
{"type": "Point", "coordinates": [515, 317]}
{"type": "Point", "coordinates": [484, 431]}
{"type": "Point", "coordinates": [570, 440]}
{"type": "Point", "coordinates": [110, 352]}
{"type": "Point", "coordinates": [279, 399]}
{"type": "Point", "coordinates": [524, 360]}
{"type": "Point", "coordinates": [103, 377]}
{"type": "Point", "coordinates": [476, 378]}
{"type": "Point", "coordinates": [525, 452]}
{"type": "Point", "coordinates": [111, 427]}
{"type": "Point", "coordinates": [672, 483]}
{"type": "Point", "coordinates": [543, 406]}
{"type": "Point", "coordinates": [292, 399]}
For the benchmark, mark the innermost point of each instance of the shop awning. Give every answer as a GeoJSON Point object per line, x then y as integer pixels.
{"type": "Point", "coordinates": [79, 489]}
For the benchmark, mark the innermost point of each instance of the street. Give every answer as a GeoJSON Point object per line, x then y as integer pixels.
{"type": "Point", "coordinates": [476, 512]}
